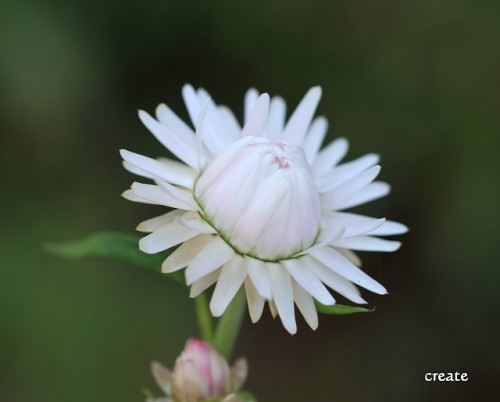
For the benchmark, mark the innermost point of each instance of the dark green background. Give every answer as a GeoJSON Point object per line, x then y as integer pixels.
{"type": "Point", "coordinates": [416, 81]}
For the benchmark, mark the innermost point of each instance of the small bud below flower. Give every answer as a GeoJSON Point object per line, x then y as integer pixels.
{"type": "Point", "coordinates": [201, 374]}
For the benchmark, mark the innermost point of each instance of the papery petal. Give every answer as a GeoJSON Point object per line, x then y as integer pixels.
{"type": "Point", "coordinates": [157, 222]}
{"type": "Point", "coordinates": [167, 236]}
{"type": "Point", "coordinates": [305, 303]}
{"type": "Point", "coordinates": [183, 198]}
{"type": "Point", "coordinates": [371, 192]}
{"type": "Point", "coordinates": [336, 198]}
{"type": "Point", "coordinates": [204, 283]}
{"type": "Point", "coordinates": [300, 120]}
{"type": "Point", "coordinates": [257, 119]}
{"type": "Point", "coordinates": [185, 253]}
{"type": "Point", "coordinates": [308, 280]}
{"type": "Point", "coordinates": [212, 256]}
{"type": "Point", "coordinates": [346, 171]}
{"type": "Point", "coordinates": [390, 228]}
{"type": "Point", "coordinates": [367, 243]}
{"type": "Point", "coordinates": [281, 286]}
{"type": "Point", "coordinates": [276, 121]}
{"type": "Point", "coordinates": [180, 146]}
{"type": "Point", "coordinates": [339, 264]}
{"type": "Point", "coordinates": [255, 301]}
{"type": "Point", "coordinates": [314, 139]}
{"type": "Point", "coordinates": [330, 155]}
{"type": "Point", "coordinates": [249, 103]}
{"type": "Point", "coordinates": [334, 280]}
{"type": "Point", "coordinates": [259, 275]}
{"type": "Point", "coordinates": [156, 195]}
{"type": "Point", "coordinates": [230, 280]}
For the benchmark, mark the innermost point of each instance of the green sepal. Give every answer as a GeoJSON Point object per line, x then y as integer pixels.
{"type": "Point", "coordinates": [247, 396]}
{"type": "Point", "coordinates": [117, 245]}
{"type": "Point", "coordinates": [341, 309]}
{"type": "Point", "coordinates": [147, 393]}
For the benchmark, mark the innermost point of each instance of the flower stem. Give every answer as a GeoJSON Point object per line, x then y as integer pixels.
{"type": "Point", "coordinates": [204, 317]}
{"type": "Point", "coordinates": [228, 326]}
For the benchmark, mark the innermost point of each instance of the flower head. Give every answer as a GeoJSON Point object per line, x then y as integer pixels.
{"type": "Point", "coordinates": [200, 374]}
{"type": "Point", "coordinates": [259, 206]}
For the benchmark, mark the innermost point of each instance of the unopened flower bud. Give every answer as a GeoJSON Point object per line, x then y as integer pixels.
{"type": "Point", "coordinates": [201, 374]}
{"type": "Point", "coordinates": [261, 197]}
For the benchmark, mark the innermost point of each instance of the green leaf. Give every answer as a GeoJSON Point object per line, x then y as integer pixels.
{"type": "Point", "coordinates": [341, 309]}
{"type": "Point", "coordinates": [120, 246]}
{"type": "Point", "coordinates": [147, 393]}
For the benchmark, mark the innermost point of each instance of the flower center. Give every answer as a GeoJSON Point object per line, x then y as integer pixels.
{"type": "Point", "coordinates": [261, 198]}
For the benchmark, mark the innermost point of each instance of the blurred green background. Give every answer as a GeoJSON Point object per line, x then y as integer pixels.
{"type": "Point", "coordinates": [416, 81]}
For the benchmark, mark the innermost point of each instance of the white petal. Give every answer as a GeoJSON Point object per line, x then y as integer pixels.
{"type": "Point", "coordinates": [181, 146]}
{"type": "Point", "coordinates": [135, 170]}
{"type": "Point", "coordinates": [192, 103]}
{"type": "Point", "coordinates": [156, 195]}
{"type": "Point", "coordinates": [167, 236]}
{"type": "Point", "coordinates": [326, 237]}
{"type": "Point", "coordinates": [281, 286]}
{"type": "Point", "coordinates": [258, 272]}
{"type": "Point", "coordinates": [230, 280]}
{"type": "Point", "coordinates": [314, 139]}
{"type": "Point", "coordinates": [184, 198]}
{"type": "Point", "coordinates": [162, 376]}
{"type": "Point", "coordinates": [305, 303]}
{"type": "Point", "coordinates": [255, 301]}
{"type": "Point", "coordinates": [257, 120]}
{"type": "Point", "coordinates": [184, 254]}
{"type": "Point", "coordinates": [336, 198]}
{"type": "Point", "coordinates": [334, 280]}
{"type": "Point", "coordinates": [354, 224]}
{"type": "Point", "coordinates": [330, 156]}
{"type": "Point", "coordinates": [131, 196]}
{"type": "Point", "coordinates": [212, 256]}
{"type": "Point", "coordinates": [276, 121]}
{"type": "Point", "coordinates": [204, 283]}
{"type": "Point", "coordinates": [346, 171]}
{"type": "Point", "coordinates": [341, 265]}
{"type": "Point", "coordinates": [389, 228]}
{"type": "Point", "coordinates": [192, 220]}
{"type": "Point", "coordinates": [157, 222]}
{"type": "Point", "coordinates": [308, 280]}
{"type": "Point", "coordinates": [272, 308]}
{"type": "Point", "coordinates": [367, 243]}
{"type": "Point", "coordinates": [300, 120]}
{"type": "Point", "coordinates": [250, 99]}
{"type": "Point", "coordinates": [373, 191]}
{"type": "Point", "coordinates": [174, 172]}
{"type": "Point", "coordinates": [230, 121]}
{"type": "Point", "coordinates": [170, 120]}
{"type": "Point", "coordinates": [216, 137]}
{"type": "Point", "coordinates": [350, 255]}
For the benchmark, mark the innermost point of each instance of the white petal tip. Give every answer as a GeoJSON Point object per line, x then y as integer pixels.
{"type": "Point", "coordinates": [316, 91]}
{"type": "Point", "coordinates": [140, 228]}
{"type": "Point", "coordinates": [165, 269]}
{"type": "Point", "coordinates": [216, 311]}
{"type": "Point", "coordinates": [396, 246]}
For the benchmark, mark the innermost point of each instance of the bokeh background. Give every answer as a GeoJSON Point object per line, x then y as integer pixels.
{"type": "Point", "coordinates": [416, 81]}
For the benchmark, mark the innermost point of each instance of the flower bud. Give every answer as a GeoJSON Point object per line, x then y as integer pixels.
{"type": "Point", "coordinates": [261, 198]}
{"type": "Point", "coordinates": [201, 374]}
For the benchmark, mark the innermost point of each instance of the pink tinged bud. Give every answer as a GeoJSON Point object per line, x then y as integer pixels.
{"type": "Point", "coordinates": [200, 373]}
{"type": "Point", "coordinates": [262, 199]}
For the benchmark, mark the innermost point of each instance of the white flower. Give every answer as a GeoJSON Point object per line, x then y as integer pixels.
{"type": "Point", "coordinates": [259, 206]}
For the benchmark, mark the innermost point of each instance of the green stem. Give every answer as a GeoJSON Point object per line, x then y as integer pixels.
{"type": "Point", "coordinates": [204, 317]}
{"type": "Point", "coordinates": [228, 326]}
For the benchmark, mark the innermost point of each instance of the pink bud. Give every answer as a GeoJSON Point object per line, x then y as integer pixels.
{"type": "Point", "coordinates": [200, 373]}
